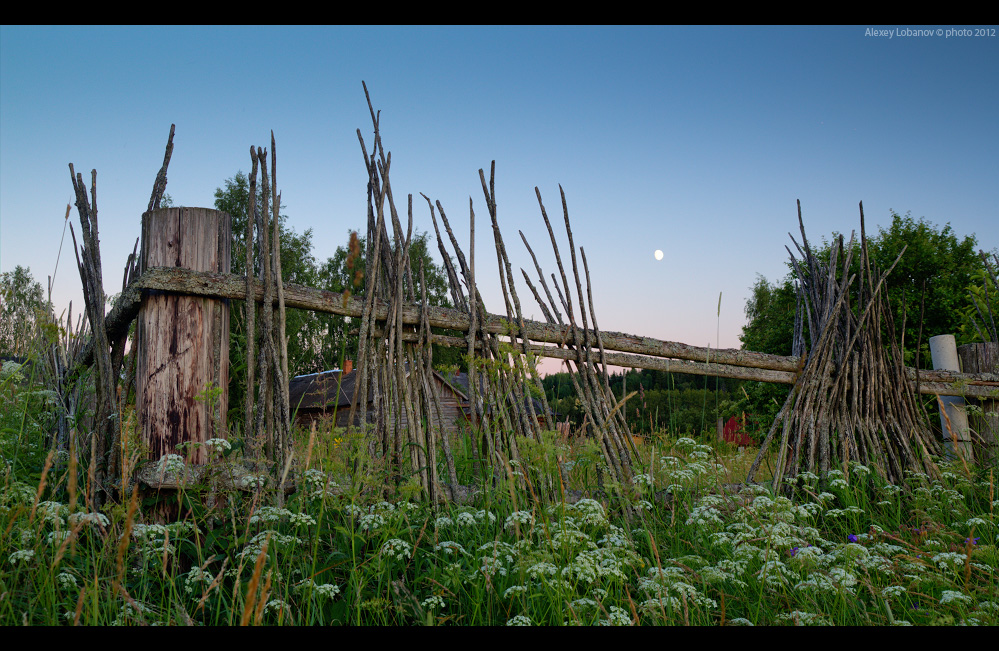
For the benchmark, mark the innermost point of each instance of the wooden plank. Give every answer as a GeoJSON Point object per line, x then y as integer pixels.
{"type": "Point", "coordinates": [642, 352]}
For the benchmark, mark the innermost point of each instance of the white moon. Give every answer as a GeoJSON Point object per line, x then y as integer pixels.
{"type": "Point", "coordinates": [659, 254]}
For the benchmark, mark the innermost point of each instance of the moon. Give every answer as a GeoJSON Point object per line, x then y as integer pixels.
{"type": "Point", "coordinates": [659, 254]}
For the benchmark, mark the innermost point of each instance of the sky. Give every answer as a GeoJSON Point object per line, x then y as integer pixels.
{"type": "Point", "coordinates": [696, 141]}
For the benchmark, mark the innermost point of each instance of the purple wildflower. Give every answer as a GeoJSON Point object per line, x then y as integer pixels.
{"type": "Point", "coordinates": [852, 538]}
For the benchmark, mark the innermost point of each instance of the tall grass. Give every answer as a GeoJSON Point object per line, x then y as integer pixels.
{"type": "Point", "coordinates": [687, 545]}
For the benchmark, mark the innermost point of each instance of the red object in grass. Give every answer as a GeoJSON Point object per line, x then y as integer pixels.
{"type": "Point", "coordinates": [733, 433]}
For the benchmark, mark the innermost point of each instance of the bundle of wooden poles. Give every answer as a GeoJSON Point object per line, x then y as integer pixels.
{"type": "Point", "coordinates": [395, 362]}
{"type": "Point", "coordinates": [852, 401]}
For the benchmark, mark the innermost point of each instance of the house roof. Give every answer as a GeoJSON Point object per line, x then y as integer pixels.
{"type": "Point", "coordinates": [322, 390]}
{"type": "Point", "coordinates": [460, 381]}
{"type": "Point", "coordinates": [336, 389]}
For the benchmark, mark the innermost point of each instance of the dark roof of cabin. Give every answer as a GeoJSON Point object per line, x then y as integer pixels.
{"type": "Point", "coordinates": [319, 390]}
{"type": "Point", "coordinates": [460, 381]}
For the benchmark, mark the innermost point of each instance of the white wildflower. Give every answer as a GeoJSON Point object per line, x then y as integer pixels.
{"type": "Point", "coordinates": [642, 481]}
{"type": "Point", "coordinates": [66, 581]}
{"type": "Point", "coordinates": [619, 617]}
{"type": "Point", "coordinates": [518, 517]}
{"type": "Point", "coordinates": [218, 444]}
{"type": "Point", "coordinates": [514, 590]}
{"type": "Point", "coordinates": [277, 604]}
{"type": "Point", "coordinates": [96, 519]}
{"type": "Point", "coordinates": [800, 618]}
{"type": "Point", "coordinates": [433, 602]}
{"type": "Point", "coordinates": [449, 547]}
{"type": "Point", "coordinates": [328, 590]}
{"type": "Point", "coordinates": [56, 538]}
{"type": "Point", "coordinates": [371, 522]}
{"type": "Point", "coordinates": [398, 548]}
{"type": "Point", "coordinates": [170, 463]}
{"type": "Point", "coordinates": [269, 514]}
{"type": "Point", "coordinates": [954, 596]}
{"type": "Point", "coordinates": [541, 570]}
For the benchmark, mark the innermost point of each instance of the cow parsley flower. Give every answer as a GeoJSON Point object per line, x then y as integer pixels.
{"type": "Point", "coordinates": [218, 444]}
{"type": "Point", "coordinates": [518, 517]}
{"type": "Point", "coordinates": [253, 481]}
{"type": "Point", "coordinates": [194, 577]}
{"type": "Point", "coordinates": [169, 463]}
{"type": "Point", "coordinates": [328, 590]}
{"type": "Point", "coordinates": [800, 618]}
{"type": "Point", "coordinates": [642, 481]}
{"type": "Point", "coordinates": [21, 556]}
{"type": "Point", "coordinates": [519, 620]}
{"type": "Point", "coordinates": [618, 617]}
{"type": "Point", "coordinates": [514, 590]}
{"type": "Point", "coordinates": [449, 547]}
{"type": "Point", "coordinates": [949, 596]}
{"type": "Point", "coordinates": [705, 517]}
{"type": "Point", "coordinates": [541, 570]}
{"type": "Point", "coordinates": [371, 522]}
{"type": "Point", "coordinates": [277, 604]}
{"type": "Point", "coordinates": [56, 538]}
{"type": "Point", "coordinates": [892, 592]}
{"type": "Point", "coordinates": [590, 512]}
{"type": "Point", "coordinates": [267, 514]}
{"type": "Point", "coordinates": [398, 548]}
{"type": "Point", "coordinates": [433, 602]}
{"type": "Point", "coordinates": [859, 469]}
{"type": "Point", "coordinates": [95, 519]}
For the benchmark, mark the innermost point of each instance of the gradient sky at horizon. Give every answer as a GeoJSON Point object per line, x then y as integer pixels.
{"type": "Point", "coordinates": [695, 141]}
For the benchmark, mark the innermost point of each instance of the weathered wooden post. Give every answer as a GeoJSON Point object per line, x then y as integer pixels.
{"type": "Point", "coordinates": [953, 417]}
{"type": "Point", "coordinates": [983, 358]}
{"type": "Point", "coordinates": [183, 340]}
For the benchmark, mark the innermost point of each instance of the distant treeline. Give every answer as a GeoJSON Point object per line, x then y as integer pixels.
{"type": "Point", "coordinates": [677, 403]}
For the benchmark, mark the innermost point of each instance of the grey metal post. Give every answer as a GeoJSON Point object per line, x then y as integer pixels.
{"type": "Point", "coordinates": [953, 416]}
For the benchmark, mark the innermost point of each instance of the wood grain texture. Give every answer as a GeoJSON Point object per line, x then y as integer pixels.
{"type": "Point", "coordinates": [183, 341]}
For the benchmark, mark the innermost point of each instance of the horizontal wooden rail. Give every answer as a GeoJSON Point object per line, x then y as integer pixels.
{"type": "Point", "coordinates": [632, 351]}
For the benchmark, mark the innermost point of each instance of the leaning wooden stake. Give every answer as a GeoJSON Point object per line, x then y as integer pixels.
{"type": "Point", "coordinates": [88, 260]}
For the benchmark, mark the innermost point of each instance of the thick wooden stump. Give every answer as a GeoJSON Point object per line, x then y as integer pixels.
{"type": "Point", "coordinates": [183, 340]}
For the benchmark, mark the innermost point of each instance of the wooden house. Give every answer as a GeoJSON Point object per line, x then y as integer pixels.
{"type": "Point", "coordinates": [328, 395]}
{"type": "Point", "coordinates": [460, 380]}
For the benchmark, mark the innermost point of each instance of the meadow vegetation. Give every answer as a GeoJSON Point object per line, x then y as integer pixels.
{"type": "Point", "coordinates": [686, 544]}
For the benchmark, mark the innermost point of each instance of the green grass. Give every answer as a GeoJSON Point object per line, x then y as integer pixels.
{"type": "Point", "coordinates": [683, 547]}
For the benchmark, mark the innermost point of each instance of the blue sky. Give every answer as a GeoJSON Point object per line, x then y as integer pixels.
{"type": "Point", "coordinates": [695, 141]}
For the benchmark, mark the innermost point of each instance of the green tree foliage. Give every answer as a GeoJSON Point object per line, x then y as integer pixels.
{"type": "Point", "coordinates": [22, 302]}
{"type": "Point", "coordinates": [982, 315]}
{"type": "Point", "coordinates": [937, 260]}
